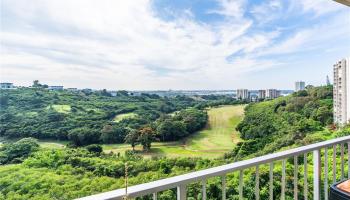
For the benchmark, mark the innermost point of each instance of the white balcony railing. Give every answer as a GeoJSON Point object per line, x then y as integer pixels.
{"type": "Point", "coordinates": [180, 182]}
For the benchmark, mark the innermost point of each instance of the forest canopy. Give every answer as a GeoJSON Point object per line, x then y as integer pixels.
{"type": "Point", "coordinates": [87, 117]}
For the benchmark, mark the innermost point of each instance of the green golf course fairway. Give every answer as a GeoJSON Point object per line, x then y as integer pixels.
{"type": "Point", "coordinates": [216, 139]}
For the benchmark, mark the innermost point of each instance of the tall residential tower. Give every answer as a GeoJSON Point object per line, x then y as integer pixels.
{"type": "Point", "coordinates": [242, 94]}
{"type": "Point", "coordinates": [299, 85]}
{"type": "Point", "coordinates": [272, 93]}
{"type": "Point", "coordinates": [341, 91]}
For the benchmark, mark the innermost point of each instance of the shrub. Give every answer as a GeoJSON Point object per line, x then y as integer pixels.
{"type": "Point", "coordinates": [17, 151]}
{"type": "Point", "coordinates": [94, 148]}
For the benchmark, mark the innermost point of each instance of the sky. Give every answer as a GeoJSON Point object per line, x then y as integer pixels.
{"type": "Point", "coordinates": [172, 44]}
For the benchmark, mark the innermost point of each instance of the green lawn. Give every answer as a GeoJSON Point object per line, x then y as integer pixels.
{"type": "Point", "coordinates": [220, 134]}
{"type": "Point", "coordinates": [53, 144]}
{"type": "Point", "coordinates": [216, 139]}
{"type": "Point", "coordinates": [61, 108]}
{"type": "Point", "coordinates": [120, 117]}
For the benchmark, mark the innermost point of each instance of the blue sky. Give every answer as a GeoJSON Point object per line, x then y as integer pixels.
{"type": "Point", "coordinates": [172, 44]}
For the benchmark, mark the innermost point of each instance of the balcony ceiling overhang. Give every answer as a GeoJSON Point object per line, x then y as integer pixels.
{"type": "Point", "coordinates": [345, 2]}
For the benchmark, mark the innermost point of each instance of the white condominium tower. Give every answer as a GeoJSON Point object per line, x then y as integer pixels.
{"type": "Point", "coordinates": [299, 85]}
{"type": "Point", "coordinates": [242, 94]}
{"type": "Point", "coordinates": [262, 94]}
{"type": "Point", "coordinates": [341, 91]}
{"type": "Point", "coordinates": [272, 93]}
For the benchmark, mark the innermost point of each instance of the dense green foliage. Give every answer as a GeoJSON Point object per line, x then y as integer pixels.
{"type": "Point", "coordinates": [87, 117]}
{"type": "Point", "coordinates": [172, 128]}
{"type": "Point", "coordinates": [271, 125]}
{"type": "Point", "coordinates": [80, 172]}
{"type": "Point", "coordinates": [17, 151]}
{"type": "Point", "coordinates": [70, 173]}
{"type": "Point", "coordinates": [268, 126]}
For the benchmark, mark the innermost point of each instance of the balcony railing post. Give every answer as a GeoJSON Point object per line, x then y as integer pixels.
{"type": "Point", "coordinates": [155, 196]}
{"type": "Point", "coordinates": [240, 184]}
{"type": "Point", "coordinates": [326, 173]}
{"type": "Point", "coordinates": [317, 173]}
{"type": "Point", "coordinates": [348, 159]}
{"type": "Point", "coordinates": [283, 181]}
{"type": "Point", "coordinates": [342, 161]}
{"type": "Point", "coordinates": [223, 183]}
{"type": "Point", "coordinates": [295, 178]}
{"type": "Point", "coordinates": [334, 163]}
{"type": "Point", "coordinates": [257, 180]}
{"type": "Point", "coordinates": [271, 181]}
{"type": "Point", "coordinates": [305, 177]}
{"type": "Point", "coordinates": [204, 189]}
{"type": "Point", "coordinates": [181, 192]}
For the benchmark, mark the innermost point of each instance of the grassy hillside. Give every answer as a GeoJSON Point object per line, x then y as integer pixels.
{"type": "Point", "coordinates": [220, 134]}
{"type": "Point", "coordinates": [217, 138]}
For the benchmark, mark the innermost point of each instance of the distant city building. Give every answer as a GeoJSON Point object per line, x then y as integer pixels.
{"type": "Point", "coordinates": [341, 91]}
{"type": "Point", "coordinates": [72, 89]}
{"type": "Point", "coordinates": [242, 94]}
{"type": "Point", "coordinates": [55, 87]}
{"type": "Point", "coordinates": [6, 86]}
{"type": "Point", "coordinates": [261, 94]}
{"type": "Point", "coordinates": [328, 81]}
{"type": "Point", "coordinates": [299, 85]}
{"type": "Point", "coordinates": [272, 93]}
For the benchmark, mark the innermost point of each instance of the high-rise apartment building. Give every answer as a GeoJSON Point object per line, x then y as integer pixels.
{"type": "Point", "coordinates": [261, 94]}
{"type": "Point", "coordinates": [242, 94]}
{"type": "Point", "coordinates": [341, 91]}
{"type": "Point", "coordinates": [272, 93]}
{"type": "Point", "coordinates": [299, 85]}
{"type": "Point", "coordinates": [328, 82]}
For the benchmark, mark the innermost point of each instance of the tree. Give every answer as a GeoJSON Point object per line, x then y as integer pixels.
{"type": "Point", "coordinates": [169, 130]}
{"type": "Point", "coordinates": [17, 151]}
{"type": "Point", "coordinates": [83, 136]}
{"type": "Point", "coordinates": [194, 119]}
{"type": "Point", "coordinates": [53, 116]}
{"type": "Point", "coordinates": [132, 138]}
{"type": "Point", "coordinates": [106, 133]}
{"type": "Point", "coordinates": [4, 100]}
{"type": "Point", "coordinates": [146, 137]}
{"type": "Point", "coordinates": [122, 93]}
{"type": "Point", "coordinates": [113, 134]}
{"type": "Point", "coordinates": [323, 115]}
{"type": "Point", "coordinates": [36, 83]}
{"type": "Point", "coordinates": [104, 92]}
{"type": "Point", "coordinates": [301, 93]}
{"type": "Point", "coordinates": [94, 148]}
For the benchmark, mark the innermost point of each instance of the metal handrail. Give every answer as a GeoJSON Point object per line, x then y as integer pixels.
{"type": "Point", "coordinates": [181, 181]}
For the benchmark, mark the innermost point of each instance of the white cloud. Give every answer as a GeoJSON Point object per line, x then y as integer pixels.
{"type": "Point", "coordinates": [119, 44]}
{"type": "Point", "coordinates": [320, 6]}
{"type": "Point", "coordinates": [231, 8]}
{"type": "Point", "coordinates": [128, 41]}
{"type": "Point", "coordinates": [313, 38]}
{"type": "Point", "coordinates": [267, 11]}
